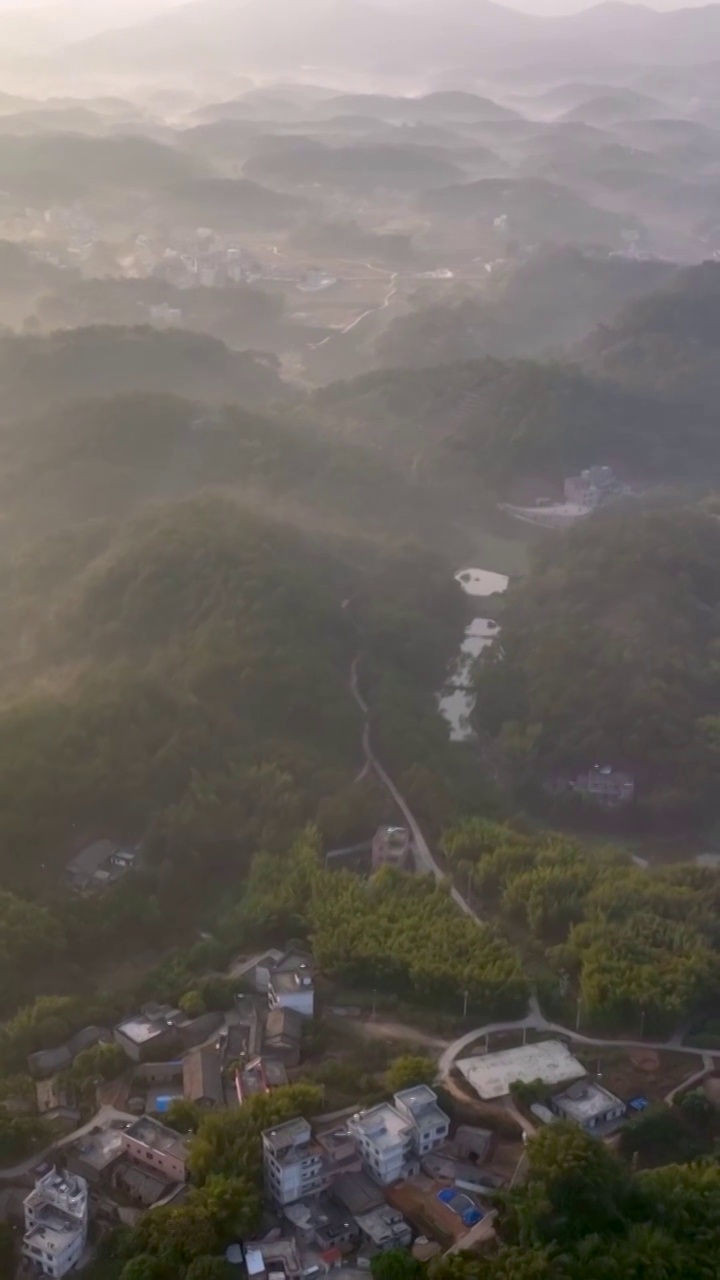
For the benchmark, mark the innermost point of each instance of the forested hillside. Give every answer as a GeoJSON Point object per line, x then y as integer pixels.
{"type": "Point", "coordinates": [609, 653]}
{"type": "Point", "coordinates": [108, 456]}
{"type": "Point", "coordinates": [36, 371]}
{"type": "Point", "coordinates": [507, 419]}
{"type": "Point", "coordinates": [539, 304]}
{"type": "Point", "coordinates": [667, 342]}
{"type": "Point", "coordinates": [627, 948]}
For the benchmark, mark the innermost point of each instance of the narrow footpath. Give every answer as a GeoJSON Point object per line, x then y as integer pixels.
{"type": "Point", "coordinates": [424, 857]}
{"type": "Point", "coordinates": [534, 1020]}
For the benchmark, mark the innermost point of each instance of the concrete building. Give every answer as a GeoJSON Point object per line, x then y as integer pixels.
{"type": "Point", "coordinates": [492, 1074]}
{"type": "Point", "coordinates": [323, 1224]}
{"type": "Point", "coordinates": [47, 1062]}
{"type": "Point", "coordinates": [391, 848]}
{"type": "Point", "coordinates": [340, 1152]}
{"type": "Point", "coordinates": [56, 1221]}
{"type": "Point", "coordinates": [202, 1077]}
{"type": "Point", "coordinates": [293, 1162]}
{"type": "Point", "coordinates": [392, 1137]}
{"type": "Point", "coordinates": [56, 1100]}
{"type": "Point", "coordinates": [261, 1075]}
{"type": "Point", "coordinates": [384, 1228]}
{"type": "Point", "coordinates": [154, 1029]}
{"type": "Point", "coordinates": [283, 1036]}
{"type": "Point", "coordinates": [278, 1259]}
{"type": "Point", "coordinates": [99, 865]}
{"type": "Point", "coordinates": [149, 1143]}
{"type": "Point", "coordinates": [430, 1124]}
{"type": "Point", "coordinates": [293, 989]}
{"type": "Point", "coordinates": [606, 786]}
{"type": "Point", "coordinates": [356, 1193]}
{"type": "Point", "coordinates": [385, 1141]}
{"type": "Point", "coordinates": [590, 1105]}
{"type": "Point", "coordinates": [94, 1155]}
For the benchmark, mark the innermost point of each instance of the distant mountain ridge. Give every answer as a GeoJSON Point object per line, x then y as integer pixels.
{"type": "Point", "coordinates": [358, 33]}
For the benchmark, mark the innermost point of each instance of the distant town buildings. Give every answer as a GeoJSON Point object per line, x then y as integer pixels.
{"type": "Point", "coordinates": [584, 493]}
{"type": "Point", "coordinates": [592, 487]}
{"type": "Point", "coordinates": [56, 1223]}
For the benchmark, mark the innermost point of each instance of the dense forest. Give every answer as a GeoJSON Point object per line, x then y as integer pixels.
{"type": "Point", "coordinates": [609, 653]}
{"type": "Point", "coordinates": [508, 419]}
{"type": "Point", "coordinates": [606, 940]}
{"type": "Point", "coordinates": [527, 307]}
{"type": "Point", "coordinates": [667, 339]}
{"type": "Point", "coordinates": [39, 370]}
{"type": "Point", "coordinates": [366, 935]}
{"type": "Point", "coordinates": [582, 1215]}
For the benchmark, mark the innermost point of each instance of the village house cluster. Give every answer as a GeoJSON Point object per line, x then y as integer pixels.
{"type": "Point", "coordinates": [397, 1174]}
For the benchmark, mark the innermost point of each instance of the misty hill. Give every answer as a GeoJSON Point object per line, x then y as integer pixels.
{"type": "Point", "coordinates": [108, 457]}
{"type": "Point", "coordinates": [562, 97]}
{"type": "Point", "coordinates": [504, 420]}
{"type": "Point", "coordinates": [441, 106]}
{"type": "Point", "coordinates": [534, 209]}
{"type": "Point", "coordinates": [305, 162]}
{"type": "Point", "coordinates": [608, 654]}
{"type": "Point", "coordinates": [668, 342]}
{"type": "Point", "coordinates": [235, 202]}
{"type": "Point", "coordinates": [610, 108]}
{"type": "Point", "coordinates": [206, 34]}
{"type": "Point", "coordinates": [67, 165]}
{"type": "Point", "coordinates": [241, 315]}
{"type": "Point", "coordinates": [203, 640]}
{"type": "Point", "coordinates": [348, 239]}
{"type": "Point", "coordinates": [36, 371]}
{"type": "Point", "coordinates": [541, 303]}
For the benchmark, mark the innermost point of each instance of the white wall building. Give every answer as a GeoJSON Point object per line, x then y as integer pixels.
{"type": "Point", "coordinates": [294, 1164]}
{"type": "Point", "coordinates": [56, 1220]}
{"type": "Point", "coordinates": [391, 1138]}
{"type": "Point", "coordinates": [384, 1138]}
{"type": "Point", "coordinates": [430, 1124]}
{"type": "Point", "coordinates": [294, 989]}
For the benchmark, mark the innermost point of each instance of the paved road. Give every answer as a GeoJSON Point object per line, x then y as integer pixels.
{"type": "Point", "coordinates": [536, 1021]}
{"type": "Point", "coordinates": [423, 855]}
{"type": "Point", "coordinates": [101, 1118]}
{"type": "Point", "coordinates": [371, 311]}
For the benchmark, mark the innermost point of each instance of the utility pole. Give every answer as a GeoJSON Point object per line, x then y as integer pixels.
{"type": "Point", "coordinates": [466, 997]}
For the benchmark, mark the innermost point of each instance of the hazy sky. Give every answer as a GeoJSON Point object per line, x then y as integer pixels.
{"type": "Point", "coordinates": [118, 12]}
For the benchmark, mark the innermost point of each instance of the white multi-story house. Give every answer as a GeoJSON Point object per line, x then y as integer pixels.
{"type": "Point", "coordinates": [384, 1138]}
{"type": "Point", "coordinates": [392, 1137]}
{"type": "Point", "coordinates": [294, 1164]}
{"type": "Point", "coordinates": [430, 1124]}
{"type": "Point", "coordinates": [56, 1220]}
